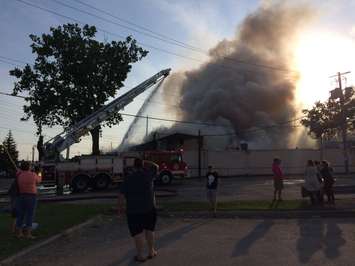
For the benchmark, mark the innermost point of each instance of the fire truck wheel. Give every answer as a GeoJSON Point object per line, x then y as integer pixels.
{"type": "Point", "coordinates": [80, 183]}
{"type": "Point", "coordinates": [101, 181]}
{"type": "Point", "coordinates": [165, 178]}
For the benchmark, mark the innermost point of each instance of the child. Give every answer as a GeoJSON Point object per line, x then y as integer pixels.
{"type": "Point", "coordinates": [278, 178]}
{"type": "Point", "coordinates": [212, 186]}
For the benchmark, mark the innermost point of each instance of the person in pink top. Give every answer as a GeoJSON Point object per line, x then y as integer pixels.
{"type": "Point", "coordinates": [26, 202]}
{"type": "Point", "coordinates": [278, 178]}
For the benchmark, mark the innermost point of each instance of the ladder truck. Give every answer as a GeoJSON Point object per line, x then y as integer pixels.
{"type": "Point", "coordinates": [95, 171]}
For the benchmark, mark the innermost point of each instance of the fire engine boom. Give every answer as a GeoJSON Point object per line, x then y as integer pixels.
{"type": "Point", "coordinates": [72, 135]}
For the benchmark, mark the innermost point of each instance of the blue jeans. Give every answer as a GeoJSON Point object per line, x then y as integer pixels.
{"type": "Point", "coordinates": [25, 209]}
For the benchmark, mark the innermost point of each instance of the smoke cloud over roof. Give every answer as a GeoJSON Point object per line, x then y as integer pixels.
{"type": "Point", "coordinates": [248, 98]}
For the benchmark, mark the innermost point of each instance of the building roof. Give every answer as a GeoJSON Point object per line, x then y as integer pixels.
{"type": "Point", "coordinates": [151, 145]}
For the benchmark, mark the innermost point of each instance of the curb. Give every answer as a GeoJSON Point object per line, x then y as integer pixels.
{"type": "Point", "coordinates": [49, 240]}
{"type": "Point", "coordinates": [281, 214]}
{"type": "Point", "coordinates": [166, 193]}
{"type": "Point", "coordinates": [89, 197]}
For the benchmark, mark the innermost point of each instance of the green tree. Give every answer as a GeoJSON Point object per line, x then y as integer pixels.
{"type": "Point", "coordinates": [318, 120]}
{"type": "Point", "coordinates": [333, 118]}
{"type": "Point", "coordinates": [327, 119]}
{"type": "Point", "coordinates": [7, 148]}
{"type": "Point", "coordinates": [73, 76]}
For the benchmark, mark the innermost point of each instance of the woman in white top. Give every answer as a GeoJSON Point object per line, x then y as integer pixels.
{"type": "Point", "coordinates": [311, 182]}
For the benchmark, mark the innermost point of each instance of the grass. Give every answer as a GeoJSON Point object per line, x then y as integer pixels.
{"type": "Point", "coordinates": [53, 218]}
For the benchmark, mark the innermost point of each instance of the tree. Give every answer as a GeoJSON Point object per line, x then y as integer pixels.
{"type": "Point", "coordinates": [336, 117]}
{"type": "Point", "coordinates": [318, 120]}
{"type": "Point", "coordinates": [73, 76]}
{"type": "Point", "coordinates": [7, 148]}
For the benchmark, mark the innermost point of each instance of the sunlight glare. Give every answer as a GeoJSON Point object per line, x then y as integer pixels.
{"type": "Point", "coordinates": [319, 56]}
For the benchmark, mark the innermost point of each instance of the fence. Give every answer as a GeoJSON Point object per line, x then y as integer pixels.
{"type": "Point", "coordinates": [258, 162]}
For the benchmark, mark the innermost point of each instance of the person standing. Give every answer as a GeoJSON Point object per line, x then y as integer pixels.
{"type": "Point", "coordinates": [26, 201]}
{"type": "Point", "coordinates": [137, 191]}
{"type": "Point", "coordinates": [278, 179]}
{"type": "Point", "coordinates": [327, 175]}
{"type": "Point", "coordinates": [311, 182]}
{"type": "Point", "coordinates": [212, 186]}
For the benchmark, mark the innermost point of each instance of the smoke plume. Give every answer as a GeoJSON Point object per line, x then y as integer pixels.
{"type": "Point", "coordinates": [246, 98]}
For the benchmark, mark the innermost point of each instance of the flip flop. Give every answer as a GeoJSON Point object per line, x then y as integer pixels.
{"type": "Point", "coordinates": [138, 259]}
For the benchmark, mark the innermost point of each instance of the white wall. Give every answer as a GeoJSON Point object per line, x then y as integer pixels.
{"type": "Point", "coordinates": [258, 162]}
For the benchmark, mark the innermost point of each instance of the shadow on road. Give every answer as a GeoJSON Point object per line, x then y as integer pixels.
{"type": "Point", "coordinates": [243, 246]}
{"type": "Point", "coordinates": [177, 234]}
{"type": "Point", "coordinates": [163, 240]}
{"type": "Point", "coordinates": [317, 235]}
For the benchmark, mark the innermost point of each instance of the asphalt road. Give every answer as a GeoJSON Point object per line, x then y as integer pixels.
{"type": "Point", "coordinates": [236, 188]}
{"type": "Point", "coordinates": [209, 242]}
{"type": "Point", "coordinates": [249, 188]}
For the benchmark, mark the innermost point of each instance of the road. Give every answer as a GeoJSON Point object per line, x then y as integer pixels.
{"type": "Point", "coordinates": [248, 188]}
{"type": "Point", "coordinates": [209, 242]}
{"type": "Point", "coordinates": [233, 188]}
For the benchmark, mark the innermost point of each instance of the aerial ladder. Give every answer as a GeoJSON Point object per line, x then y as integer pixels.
{"type": "Point", "coordinates": [65, 139]}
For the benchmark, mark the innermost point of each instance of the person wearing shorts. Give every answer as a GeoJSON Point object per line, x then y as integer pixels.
{"type": "Point", "coordinates": [26, 201]}
{"type": "Point", "coordinates": [137, 190]}
{"type": "Point", "coordinates": [278, 179]}
{"type": "Point", "coordinates": [212, 186]}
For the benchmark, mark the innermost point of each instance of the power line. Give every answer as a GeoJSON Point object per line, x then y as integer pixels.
{"type": "Point", "coordinates": [260, 128]}
{"type": "Point", "coordinates": [139, 99]}
{"type": "Point", "coordinates": [101, 29]}
{"type": "Point", "coordinates": [173, 120]}
{"type": "Point", "coordinates": [185, 45]}
{"type": "Point", "coordinates": [136, 25]}
{"type": "Point", "coordinates": [16, 129]}
{"type": "Point", "coordinates": [210, 124]}
{"type": "Point", "coordinates": [8, 63]}
{"type": "Point", "coordinates": [15, 60]}
{"type": "Point", "coordinates": [156, 48]}
{"type": "Point", "coordinates": [121, 25]}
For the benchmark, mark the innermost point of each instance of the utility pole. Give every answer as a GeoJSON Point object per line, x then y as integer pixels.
{"type": "Point", "coordinates": [344, 127]}
{"type": "Point", "coordinates": [199, 153]}
{"type": "Point", "coordinates": [33, 154]}
{"type": "Point", "coordinates": [68, 153]}
{"type": "Point", "coordinates": [146, 128]}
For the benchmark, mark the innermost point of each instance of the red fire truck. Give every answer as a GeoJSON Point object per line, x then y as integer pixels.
{"type": "Point", "coordinates": [171, 165]}
{"type": "Point", "coordinates": [100, 171]}
{"type": "Point", "coordinates": [97, 172]}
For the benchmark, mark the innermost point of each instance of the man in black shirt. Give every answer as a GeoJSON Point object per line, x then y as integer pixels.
{"type": "Point", "coordinates": [137, 189]}
{"type": "Point", "coordinates": [212, 186]}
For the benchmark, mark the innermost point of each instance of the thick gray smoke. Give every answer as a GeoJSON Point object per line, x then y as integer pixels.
{"type": "Point", "coordinates": [247, 98]}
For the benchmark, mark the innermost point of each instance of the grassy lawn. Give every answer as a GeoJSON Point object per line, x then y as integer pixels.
{"type": "Point", "coordinates": [52, 218]}
{"type": "Point", "coordinates": [237, 205]}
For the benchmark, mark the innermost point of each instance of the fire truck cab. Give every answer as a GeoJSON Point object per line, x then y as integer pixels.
{"type": "Point", "coordinates": [170, 165]}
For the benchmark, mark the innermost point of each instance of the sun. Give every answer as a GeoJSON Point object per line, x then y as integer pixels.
{"type": "Point", "coordinates": [318, 56]}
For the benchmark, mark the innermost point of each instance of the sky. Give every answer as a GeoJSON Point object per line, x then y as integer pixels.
{"type": "Point", "coordinates": [199, 23]}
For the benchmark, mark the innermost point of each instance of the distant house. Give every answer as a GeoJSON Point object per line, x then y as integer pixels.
{"type": "Point", "coordinates": [171, 142]}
